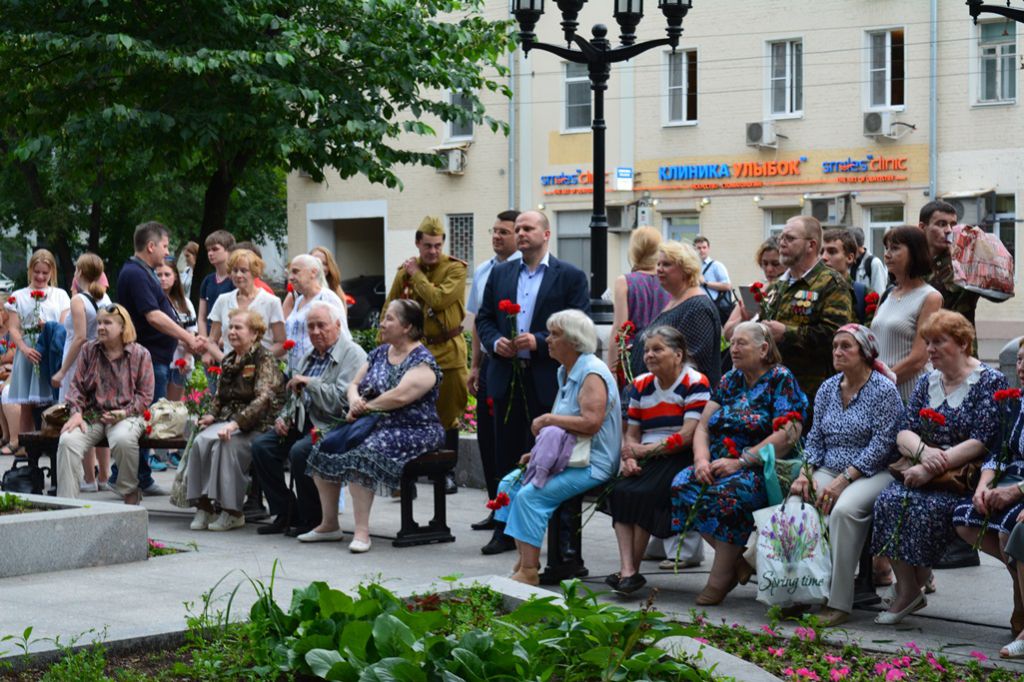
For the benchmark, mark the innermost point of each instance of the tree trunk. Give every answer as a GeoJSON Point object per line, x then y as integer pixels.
{"type": "Point", "coordinates": [215, 213]}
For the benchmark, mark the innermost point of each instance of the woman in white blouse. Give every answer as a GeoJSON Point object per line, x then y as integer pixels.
{"type": "Point", "coordinates": [244, 267]}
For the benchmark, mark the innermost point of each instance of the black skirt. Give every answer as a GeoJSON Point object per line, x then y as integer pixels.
{"type": "Point", "coordinates": [645, 500]}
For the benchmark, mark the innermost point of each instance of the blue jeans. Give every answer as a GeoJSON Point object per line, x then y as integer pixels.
{"type": "Point", "coordinates": [160, 376]}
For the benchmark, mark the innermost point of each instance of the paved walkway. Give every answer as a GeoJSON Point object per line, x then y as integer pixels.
{"type": "Point", "coordinates": [970, 611]}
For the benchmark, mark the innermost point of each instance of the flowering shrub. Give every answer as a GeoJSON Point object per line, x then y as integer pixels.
{"type": "Point", "coordinates": [467, 422]}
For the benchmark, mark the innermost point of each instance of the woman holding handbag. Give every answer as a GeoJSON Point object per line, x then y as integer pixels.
{"type": "Point", "coordinates": [952, 420]}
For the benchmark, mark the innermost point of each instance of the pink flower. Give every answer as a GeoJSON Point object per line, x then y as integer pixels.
{"type": "Point", "coordinates": [938, 667]}
{"type": "Point", "coordinates": [768, 630]}
{"type": "Point", "coordinates": [806, 634]}
{"type": "Point", "coordinates": [776, 652]}
{"type": "Point", "coordinates": [980, 656]}
{"type": "Point", "coordinates": [701, 640]}
{"type": "Point", "coordinates": [832, 660]}
{"type": "Point", "coordinates": [913, 647]}
{"type": "Point", "coordinates": [895, 674]}
{"type": "Point", "coordinates": [807, 674]}
{"type": "Point", "coordinates": [788, 672]}
{"type": "Point", "coordinates": [839, 674]}
{"type": "Point", "coordinates": [880, 668]}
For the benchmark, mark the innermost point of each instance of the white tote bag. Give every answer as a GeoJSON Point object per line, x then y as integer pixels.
{"type": "Point", "coordinates": [794, 560]}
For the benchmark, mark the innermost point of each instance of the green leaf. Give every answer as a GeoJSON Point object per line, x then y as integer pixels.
{"type": "Point", "coordinates": [320, 661]}
{"type": "Point", "coordinates": [391, 636]}
{"type": "Point", "coordinates": [355, 636]}
{"type": "Point", "coordinates": [333, 601]}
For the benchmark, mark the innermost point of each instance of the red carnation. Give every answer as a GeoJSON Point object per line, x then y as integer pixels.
{"type": "Point", "coordinates": [12, 300]}
{"type": "Point", "coordinates": [38, 293]}
{"type": "Point", "coordinates": [730, 446]}
{"type": "Point", "coordinates": [1007, 394]}
{"type": "Point", "coordinates": [180, 363]}
{"type": "Point", "coordinates": [290, 288]}
{"type": "Point", "coordinates": [289, 344]}
{"type": "Point", "coordinates": [350, 300]}
{"type": "Point", "coordinates": [628, 327]}
{"type": "Point", "coordinates": [214, 370]}
{"type": "Point", "coordinates": [674, 442]}
{"type": "Point", "coordinates": [314, 434]}
{"type": "Point", "coordinates": [502, 500]}
{"type": "Point", "coordinates": [149, 429]}
{"type": "Point", "coordinates": [872, 297]}
{"type": "Point", "coordinates": [794, 416]}
{"type": "Point", "coordinates": [870, 309]}
{"type": "Point", "coordinates": [779, 423]}
{"type": "Point", "coordinates": [490, 407]}
{"type": "Point", "coordinates": [503, 305]}
{"type": "Point", "coordinates": [931, 415]}
{"type": "Point", "coordinates": [147, 415]}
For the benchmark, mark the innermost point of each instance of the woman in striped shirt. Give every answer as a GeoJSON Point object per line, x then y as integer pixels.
{"type": "Point", "coordinates": [665, 402]}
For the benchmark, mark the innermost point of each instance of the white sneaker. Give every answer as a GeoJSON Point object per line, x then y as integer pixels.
{"type": "Point", "coordinates": [227, 522]}
{"type": "Point", "coordinates": [201, 521]}
{"type": "Point", "coordinates": [84, 487]}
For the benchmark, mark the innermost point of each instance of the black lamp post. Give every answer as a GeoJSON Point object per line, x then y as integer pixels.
{"type": "Point", "coordinates": [598, 54]}
{"type": "Point", "coordinates": [976, 7]}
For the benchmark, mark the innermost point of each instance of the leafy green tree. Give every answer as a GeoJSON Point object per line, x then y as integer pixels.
{"type": "Point", "coordinates": [206, 94]}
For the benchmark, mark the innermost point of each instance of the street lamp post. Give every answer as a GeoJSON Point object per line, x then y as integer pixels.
{"type": "Point", "coordinates": [976, 7]}
{"type": "Point", "coordinates": [599, 54]}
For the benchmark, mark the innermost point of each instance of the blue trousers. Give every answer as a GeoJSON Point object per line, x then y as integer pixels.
{"type": "Point", "coordinates": [527, 516]}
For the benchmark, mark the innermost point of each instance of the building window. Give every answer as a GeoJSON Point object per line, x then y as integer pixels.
{"type": "Point", "coordinates": [461, 127]}
{"type": "Point", "coordinates": [681, 88]}
{"type": "Point", "coordinates": [1004, 222]}
{"type": "Point", "coordinates": [879, 219]}
{"type": "Point", "coordinates": [574, 238]}
{"type": "Point", "coordinates": [886, 68]}
{"type": "Point", "coordinates": [776, 219]}
{"type": "Point", "coordinates": [786, 78]}
{"type": "Point", "coordinates": [577, 97]}
{"type": "Point", "coordinates": [997, 49]}
{"type": "Point", "coordinates": [682, 228]}
{"type": "Point", "coordinates": [460, 236]}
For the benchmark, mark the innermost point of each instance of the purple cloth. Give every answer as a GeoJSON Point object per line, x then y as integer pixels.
{"type": "Point", "coordinates": [645, 299]}
{"type": "Point", "coordinates": [549, 456]}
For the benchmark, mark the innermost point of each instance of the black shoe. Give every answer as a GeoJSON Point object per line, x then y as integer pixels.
{"type": "Point", "coordinates": [296, 531]}
{"type": "Point", "coordinates": [630, 584]}
{"type": "Point", "coordinates": [959, 555]}
{"type": "Point", "coordinates": [499, 541]}
{"type": "Point", "coordinates": [450, 487]}
{"type": "Point", "coordinates": [612, 580]}
{"type": "Point", "coordinates": [487, 524]}
{"type": "Point", "coordinates": [279, 525]}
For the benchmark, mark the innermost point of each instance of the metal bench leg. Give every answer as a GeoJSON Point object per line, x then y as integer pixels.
{"type": "Point", "coordinates": [564, 530]}
{"type": "Point", "coordinates": [864, 586]}
{"type": "Point", "coordinates": [440, 520]}
{"type": "Point", "coordinates": [409, 525]}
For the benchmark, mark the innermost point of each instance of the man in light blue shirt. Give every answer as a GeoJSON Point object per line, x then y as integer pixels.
{"type": "Point", "coordinates": [716, 277]}
{"type": "Point", "coordinates": [503, 241]}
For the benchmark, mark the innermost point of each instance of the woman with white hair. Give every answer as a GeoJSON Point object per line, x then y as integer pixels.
{"type": "Point", "coordinates": [306, 275]}
{"type": "Point", "coordinates": [587, 407]}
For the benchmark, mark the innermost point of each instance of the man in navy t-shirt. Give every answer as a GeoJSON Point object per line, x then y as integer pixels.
{"type": "Point", "coordinates": [139, 291]}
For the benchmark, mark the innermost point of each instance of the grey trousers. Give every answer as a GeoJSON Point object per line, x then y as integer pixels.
{"type": "Point", "coordinates": [219, 469]}
{"type": "Point", "coordinates": [123, 438]}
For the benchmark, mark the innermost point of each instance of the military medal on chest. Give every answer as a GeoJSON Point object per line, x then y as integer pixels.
{"type": "Point", "coordinates": [803, 302]}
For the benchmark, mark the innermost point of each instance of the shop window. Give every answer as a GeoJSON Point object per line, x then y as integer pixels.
{"type": "Point", "coordinates": [574, 238]}
{"type": "Point", "coordinates": [997, 51]}
{"type": "Point", "coordinates": [1004, 222]}
{"type": "Point", "coordinates": [460, 236]}
{"type": "Point", "coordinates": [786, 77]}
{"type": "Point", "coordinates": [462, 127]}
{"type": "Point", "coordinates": [886, 69]}
{"type": "Point", "coordinates": [879, 219]}
{"type": "Point", "coordinates": [681, 87]}
{"type": "Point", "coordinates": [775, 219]}
{"type": "Point", "coordinates": [577, 97]}
{"type": "Point", "coordinates": [682, 228]}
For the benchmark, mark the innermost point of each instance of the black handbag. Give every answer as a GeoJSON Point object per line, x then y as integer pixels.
{"type": "Point", "coordinates": [24, 479]}
{"type": "Point", "coordinates": [724, 303]}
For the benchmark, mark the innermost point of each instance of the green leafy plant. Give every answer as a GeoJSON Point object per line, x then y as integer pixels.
{"type": "Point", "coordinates": [13, 504]}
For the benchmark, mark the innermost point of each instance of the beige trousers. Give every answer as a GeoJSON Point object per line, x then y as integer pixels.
{"type": "Point", "coordinates": [219, 469]}
{"type": "Point", "coordinates": [123, 438]}
{"type": "Point", "coordinates": [848, 527]}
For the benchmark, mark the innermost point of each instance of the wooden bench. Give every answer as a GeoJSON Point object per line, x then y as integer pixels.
{"type": "Point", "coordinates": [37, 445]}
{"type": "Point", "coordinates": [435, 466]}
{"type": "Point", "coordinates": [565, 541]}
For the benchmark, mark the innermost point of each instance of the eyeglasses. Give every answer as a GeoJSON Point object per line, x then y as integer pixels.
{"type": "Point", "coordinates": [113, 309]}
{"type": "Point", "coordinates": [785, 238]}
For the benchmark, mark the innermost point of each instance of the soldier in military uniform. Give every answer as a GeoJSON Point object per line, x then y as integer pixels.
{"type": "Point", "coordinates": [806, 306]}
{"type": "Point", "coordinates": [437, 281]}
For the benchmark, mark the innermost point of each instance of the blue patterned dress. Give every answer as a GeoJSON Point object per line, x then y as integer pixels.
{"type": "Point", "coordinates": [400, 435]}
{"type": "Point", "coordinates": [926, 529]}
{"type": "Point", "coordinates": [1004, 520]}
{"type": "Point", "coordinates": [727, 510]}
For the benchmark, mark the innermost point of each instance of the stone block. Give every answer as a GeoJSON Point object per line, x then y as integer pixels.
{"type": "Point", "coordinates": [469, 471]}
{"type": "Point", "coordinates": [71, 534]}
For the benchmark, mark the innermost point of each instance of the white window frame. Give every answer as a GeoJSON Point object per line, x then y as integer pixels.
{"type": "Point", "coordinates": [681, 90]}
{"type": "Point", "coordinates": [451, 134]}
{"type": "Point", "coordinates": [775, 229]}
{"type": "Point", "coordinates": [977, 59]}
{"type": "Point", "coordinates": [870, 226]}
{"type": "Point", "coordinates": [575, 80]}
{"type": "Point", "coordinates": [668, 233]}
{"type": "Point", "coordinates": [790, 76]}
{"type": "Point", "coordinates": [886, 70]}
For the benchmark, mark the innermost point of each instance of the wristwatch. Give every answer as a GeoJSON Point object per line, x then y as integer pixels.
{"type": "Point", "coordinates": [1020, 487]}
{"type": "Point", "coordinates": [847, 476]}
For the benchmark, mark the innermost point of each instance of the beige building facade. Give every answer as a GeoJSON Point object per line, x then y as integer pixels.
{"type": "Point", "coordinates": [855, 111]}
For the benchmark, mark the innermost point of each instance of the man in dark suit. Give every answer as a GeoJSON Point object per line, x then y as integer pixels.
{"type": "Point", "coordinates": [541, 285]}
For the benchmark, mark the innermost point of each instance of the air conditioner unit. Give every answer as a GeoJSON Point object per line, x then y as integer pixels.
{"type": "Point", "coordinates": [833, 212]}
{"type": "Point", "coordinates": [454, 161]}
{"type": "Point", "coordinates": [762, 134]}
{"type": "Point", "coordinates": [974, 210]}
{"type": "Point", "coordinates": [878, 124]}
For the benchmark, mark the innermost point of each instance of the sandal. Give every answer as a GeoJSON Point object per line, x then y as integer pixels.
{"type": "Point", "coordinates": [929, 585]}
{"type": "Point", "coordinates": [883, 578]}
{"type": "Point", "coordinates": [8, 451]}
{"type": "Point", "coordinates": [1014, 649]}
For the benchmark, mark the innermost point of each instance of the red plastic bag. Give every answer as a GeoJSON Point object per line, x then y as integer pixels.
{"type": "Point", "coordinates": [981, 263]}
